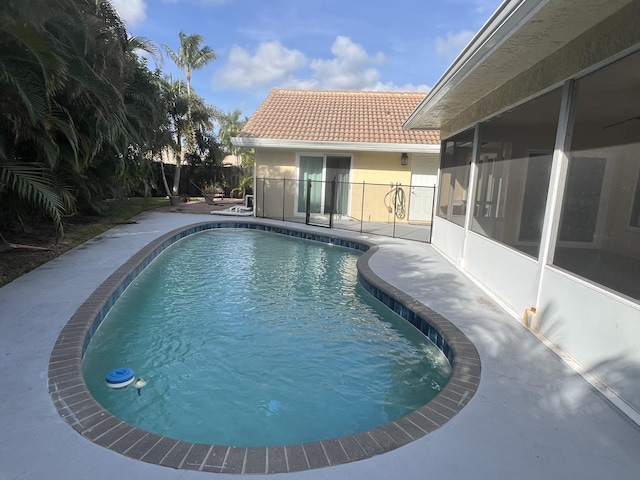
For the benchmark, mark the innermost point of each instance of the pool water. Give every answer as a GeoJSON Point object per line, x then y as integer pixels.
{"type": "Point", "coordinates": [248, 338]}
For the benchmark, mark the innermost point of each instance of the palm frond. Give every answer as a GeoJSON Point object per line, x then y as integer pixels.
{"type": "Point", "coordinates": [32, 47]}
{"type": "Point", "coordinates": [142, 43]}
{"type": "Point", "coordinates": [35, 184]}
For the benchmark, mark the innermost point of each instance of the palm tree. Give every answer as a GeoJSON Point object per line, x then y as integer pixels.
{"type": "Point", "coordinates": [187, 116]}
{"type": "Point", "coordinates": [175, 106]}
{"type": "Point", "coordinates": [230, 126]}
{"type": "Point", "coordinates": [190, 56]}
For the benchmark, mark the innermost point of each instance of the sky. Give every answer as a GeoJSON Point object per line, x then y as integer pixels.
{"type": "Point", "coordinates": [303, 44]}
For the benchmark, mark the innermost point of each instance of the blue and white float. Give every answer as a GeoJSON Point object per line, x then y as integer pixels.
{"type": "Point", "coordinates": [119, 378]}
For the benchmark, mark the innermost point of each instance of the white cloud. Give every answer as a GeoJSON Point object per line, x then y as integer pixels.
{"type": "Point", "coordinates": [450, 47]}
{"type": "Point", "coordinates": [272, 63]}
{"type": "Point", "coordinates": [407, 87]}
{"type": "Point", "coordinates": [132, 12]}
{"type": "Point", "coordinates": [350, 68]}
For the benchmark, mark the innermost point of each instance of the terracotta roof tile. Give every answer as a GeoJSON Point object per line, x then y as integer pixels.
{"type": "Point", "coordinates": [338, 116]}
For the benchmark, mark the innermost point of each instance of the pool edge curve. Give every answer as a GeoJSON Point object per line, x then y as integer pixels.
{"type": "Point", "coordinates": [81, 411]}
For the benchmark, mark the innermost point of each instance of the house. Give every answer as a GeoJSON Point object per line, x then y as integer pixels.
{"type": "Point", "coordinates": [539, 186]}
{"type": "Point", "coordinates": [232, 161]}
{"type": "Point", "coordinates": [304, 139]}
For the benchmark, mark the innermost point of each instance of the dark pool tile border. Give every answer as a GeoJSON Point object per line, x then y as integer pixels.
{"type": "Point", "coordinates": [80, 410]}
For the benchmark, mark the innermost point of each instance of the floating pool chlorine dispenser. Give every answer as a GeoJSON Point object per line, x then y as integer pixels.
{"type": "Point", "coordinates": [119, 378]}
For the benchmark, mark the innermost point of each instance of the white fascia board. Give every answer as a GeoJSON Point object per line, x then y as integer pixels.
{"type": "Point", "coordinates": [509, 17]}
{"type": "Point", "coordinates": [334, 146]}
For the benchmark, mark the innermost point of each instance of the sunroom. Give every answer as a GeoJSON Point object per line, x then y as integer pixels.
{"type": "Point", "coordinates": [539, 188]}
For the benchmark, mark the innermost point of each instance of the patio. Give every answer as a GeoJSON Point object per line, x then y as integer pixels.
{"type": "Point", "coordinates": [532, 416]}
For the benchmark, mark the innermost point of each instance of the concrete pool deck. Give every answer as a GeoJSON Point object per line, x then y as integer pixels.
{"type": "Point", "coordinates": [532, 416]}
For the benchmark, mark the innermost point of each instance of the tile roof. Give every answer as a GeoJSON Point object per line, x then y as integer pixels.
{"type": "Point", "coordinates": [338, 116]}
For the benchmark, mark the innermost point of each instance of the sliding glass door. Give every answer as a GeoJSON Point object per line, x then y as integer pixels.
{"type": "Point", "coordinates": [338, 169]}
{"type": "Point", "coordinates": [322, 170]}
{"type": "Point", "coordinates": [310, 169]}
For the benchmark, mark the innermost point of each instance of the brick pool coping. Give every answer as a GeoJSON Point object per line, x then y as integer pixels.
{"type": "Point", "coordinates": [77, 406]}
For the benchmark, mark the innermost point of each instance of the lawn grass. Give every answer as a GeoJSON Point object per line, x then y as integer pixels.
{"type": "Point", "coordinates": [117, 211]}
{"type": "Point", "coordinates": [15, 262]}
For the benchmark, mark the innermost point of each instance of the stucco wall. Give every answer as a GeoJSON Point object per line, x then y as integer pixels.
{"type": "Point", "coordinates": [596, 327]}
{"type": "Point", "coordinates": [615, 34]}
{"type": "Point", "coordinates": [272, 166]}
{"type": "Point", "coordinates": [379, 171]}
{"type": "Point", "coordinates": [448, 238]}
{"type": "Point", "coordinates": [272, 163]}
{"type": "Point", "coordinates": [510, 275]}
{"type": "Point", "coordinates": [380, 167]}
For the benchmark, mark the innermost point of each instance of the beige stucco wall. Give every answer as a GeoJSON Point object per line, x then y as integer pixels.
{"type": "Point", "coordinates": [615, 34]}
{"type": "Point", "coordinates": [380, 167]}
{"type": "Point", "coordinates": [273, 168]}
{"type": "Point", "coordinates": [273, 163]}
{"type": "Point", "coordinates": [377, 169]}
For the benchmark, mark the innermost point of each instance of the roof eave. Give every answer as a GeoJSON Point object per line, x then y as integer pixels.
{"type": "Point", "coordinates": [250, 142]}
{"type": "Point", "coordinates": [503, 23]}
{"type": "Point", "coordinates": [519, 36]}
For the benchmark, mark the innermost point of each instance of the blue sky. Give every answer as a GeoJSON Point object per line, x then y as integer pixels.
{"type": "Point", "coordinates": [326, 44]}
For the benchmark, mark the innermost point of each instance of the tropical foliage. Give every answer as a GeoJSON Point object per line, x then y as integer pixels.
{"type": "Point", "coordinates": [230, 126]}
{"type": "Point", "coordinates": [84, 119]}
{"type": "Point", "coordinates": [77, 108]}
{"type": "Point", "coordinates": [188, 137]}
{"type": "Point", "coordinates": [190, 56]}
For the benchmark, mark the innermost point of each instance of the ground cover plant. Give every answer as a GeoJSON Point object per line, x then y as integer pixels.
{"type": "Point", "coordinates": [23, 250]}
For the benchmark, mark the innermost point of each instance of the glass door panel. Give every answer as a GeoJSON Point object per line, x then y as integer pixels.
{"type": "Point", "coordinates": [310, 169]}
{"type": "Point", "coordinates": [338, 168]}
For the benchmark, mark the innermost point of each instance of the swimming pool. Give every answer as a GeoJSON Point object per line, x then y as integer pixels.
{"type": "Point", "coordinates": [80, 410]}
{"type": "Point", "coordinates": [249, 338]}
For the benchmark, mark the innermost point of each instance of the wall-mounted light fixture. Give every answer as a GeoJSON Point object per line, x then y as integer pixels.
{"type": "Point", "coordinates": [404, 159]}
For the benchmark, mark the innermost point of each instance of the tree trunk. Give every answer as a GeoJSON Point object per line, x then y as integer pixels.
{"type": "Point", "coordinates": [179, 163]}
{"type": "Point", "coordinates": [164, 180]}
{"type": "Point", "coordinates": [176, 180]}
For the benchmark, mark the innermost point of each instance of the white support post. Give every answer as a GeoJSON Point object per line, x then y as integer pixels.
{"type": "Point", "coordinates": [555, 195]}
{"type": "Point", "coordinates": [471, 190]}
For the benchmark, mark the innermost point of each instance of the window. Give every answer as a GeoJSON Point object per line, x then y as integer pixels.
{"type": "Point", "coordinates": [514, 168]}
{"type": "Point", "coordinates": [321, 170]}
{"type": "Point", "coordinates": [455, 165]}
{"type": "Point", "coordinates": [597, 238]}
{"type": "Point", "coordinates": [535, 198]}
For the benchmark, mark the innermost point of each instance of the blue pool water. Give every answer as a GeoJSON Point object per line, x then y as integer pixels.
{"type": "Point", "coordinates": [248, 338]}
